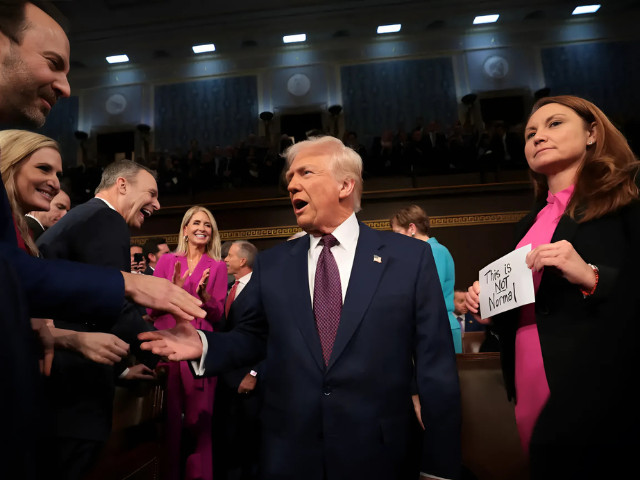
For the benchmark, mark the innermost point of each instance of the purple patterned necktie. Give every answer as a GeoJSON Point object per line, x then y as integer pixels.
{"type": "Point", "coordinates": [327, 296]}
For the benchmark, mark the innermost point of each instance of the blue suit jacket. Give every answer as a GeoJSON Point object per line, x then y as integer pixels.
{"type": "Point", "coordinates": [471, 324]}
{"type": "Point", "coordinates": [55, 288]}
{"type": "Point", "coordinates": [350, 419]}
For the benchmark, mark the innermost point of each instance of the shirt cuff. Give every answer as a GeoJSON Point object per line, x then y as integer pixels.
{"type": "Point", "coordinates": [198, 366]}
{"type": "Point", "coordinates": [124, 373]}
{"type": "Point", "coordinates": [431, 476]}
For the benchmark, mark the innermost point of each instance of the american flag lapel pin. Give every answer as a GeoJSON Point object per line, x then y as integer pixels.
{"type": "Point", "coordinates": [377, 259]}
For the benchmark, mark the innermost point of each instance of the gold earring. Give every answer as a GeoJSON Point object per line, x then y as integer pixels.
{"type": "Point", "coordinates": [186, 238]}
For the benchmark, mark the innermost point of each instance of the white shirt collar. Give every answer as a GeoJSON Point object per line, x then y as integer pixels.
{"type": "Point", "coordinates": [244, 280]}
{"type": "Point", "coordinates": [347, 234]}
{"type": "Point", "coordinates": [108, 204]}
{"type": "Point", "coordinates": [31, 216]}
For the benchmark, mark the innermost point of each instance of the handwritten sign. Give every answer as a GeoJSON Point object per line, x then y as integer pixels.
{"type": "Point", "coordinates": [506, 283]}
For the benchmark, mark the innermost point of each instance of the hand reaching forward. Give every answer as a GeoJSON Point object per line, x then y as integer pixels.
{"type": "Point", "coordinates": [100, 347]}
{"type": "Point", "coordinates": [140, 372]}
{"type": "Point", "coordinates": [160, 294]}
{"type": "Point", "coordinates": [179, 343]}
{"type": "Point", "coordinates": [202, 286]}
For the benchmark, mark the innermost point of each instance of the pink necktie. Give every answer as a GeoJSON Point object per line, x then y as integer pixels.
{"type": "Point", "coordinates": [327, 297]}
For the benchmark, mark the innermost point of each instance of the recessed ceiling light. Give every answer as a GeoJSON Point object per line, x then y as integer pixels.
{"type": "Point", "coordinates": [117, 59]}
{"type": "Point", "coordinates": [209, 47]}
{"type": "Point", "coordinates": [389, 28]}
{"type": "Point", "coordinates": [586, 9]}
{"type": "Point", "coordinates": [301, 37]}
{"type": "Point", "coordinates": [485, 19]}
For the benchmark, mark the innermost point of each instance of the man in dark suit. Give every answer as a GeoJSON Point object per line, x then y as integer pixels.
{"type": "Point", "coordinates": [32, 287]}
{"type": "Point", "coordinates": [342, 313]}
{"type": "Point", "coordinates": [152, 250]}
{"type": "Point", "coordinates": [38, 222]}
{"type": "Point", "coordinates": [238, 392]}
{"type": "Point", "coordinates": [80, 392]}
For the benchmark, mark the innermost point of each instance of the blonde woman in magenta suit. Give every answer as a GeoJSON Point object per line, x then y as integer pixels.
{"type": "Point", "coordinates": [196, 267]}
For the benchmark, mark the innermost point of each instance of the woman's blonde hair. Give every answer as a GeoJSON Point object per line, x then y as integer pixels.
{"type": "Point", "coordinates": [214, 248]}
{"type": "Point", "coordinates": [606, 179]}
{"type": "Point", "coordinates": [16, 146]}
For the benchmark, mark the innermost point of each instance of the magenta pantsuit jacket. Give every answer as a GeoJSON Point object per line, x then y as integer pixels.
{"type": "Point", "coordinates": [186, 395]}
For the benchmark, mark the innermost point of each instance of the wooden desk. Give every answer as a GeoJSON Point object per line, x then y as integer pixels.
{"type": "Point", "coordinates": [490, 443]}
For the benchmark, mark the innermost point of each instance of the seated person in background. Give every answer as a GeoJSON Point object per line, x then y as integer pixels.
{"type": "Point", "coordinates": [38, 221]}
{"type": "Point", "coordinates": [466, 320]}
{"type": "Point", "coordinates": [153, 249]}
{"type": "Point", "coordinates": [138, 264]}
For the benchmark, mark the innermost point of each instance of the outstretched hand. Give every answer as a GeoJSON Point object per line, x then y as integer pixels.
{"type": "Point", "coordinates": [160, 294]}
{"type": "Point", "coordinates": [179, 343]}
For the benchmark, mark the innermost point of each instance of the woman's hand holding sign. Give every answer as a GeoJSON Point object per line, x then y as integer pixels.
{"type": "Point", "coordinates": [564, 257]}
{"type": "Point", "coordinates": [473, 303]}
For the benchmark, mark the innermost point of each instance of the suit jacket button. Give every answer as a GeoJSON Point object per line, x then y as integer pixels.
{"type": "Point", "coordinates": [327, 391]}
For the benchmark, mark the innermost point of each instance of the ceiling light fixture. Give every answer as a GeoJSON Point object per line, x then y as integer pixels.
{"type": "Point", "coordinates": [486, 19]}
{"type": "Point", "coordinates": [389, 28]}
{"type": "Point", "coordinates": [117, 59]}
{"type": "Point", "coordinates": [209, 47]}
{"type": "Point", "coordinates": [586, 9]}
{"type": "Point", "coordinates": [301, 37]}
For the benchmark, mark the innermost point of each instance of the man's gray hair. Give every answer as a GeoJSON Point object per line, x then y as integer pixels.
{"type": "Point", "coordinates": [247, 250]}
{"type": "Point", "coordinates": [124, 168]}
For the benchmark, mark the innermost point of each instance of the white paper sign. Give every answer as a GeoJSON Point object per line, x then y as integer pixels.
{"type": "Point", "coordinates": [506, 283]}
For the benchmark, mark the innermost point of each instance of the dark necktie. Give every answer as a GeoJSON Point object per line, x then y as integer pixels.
{"type": "Point", "coordinates": [327, 296]}
{"type": "Point", "coordinates": [230, 298]}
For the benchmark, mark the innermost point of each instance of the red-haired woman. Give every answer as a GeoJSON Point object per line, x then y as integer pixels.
{"type": "Point", "coordinates": [586, 198]}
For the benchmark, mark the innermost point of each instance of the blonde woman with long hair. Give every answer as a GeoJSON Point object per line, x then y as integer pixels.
{"type": "Point", "coordinates": [30, 164]}
{"type": "Point", "coordinates": [197, 267]}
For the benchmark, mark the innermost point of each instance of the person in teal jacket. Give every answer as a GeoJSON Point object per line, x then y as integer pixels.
{"type": "Point", "coordinates": [414, 222]}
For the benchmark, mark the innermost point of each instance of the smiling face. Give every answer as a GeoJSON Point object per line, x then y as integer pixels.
{"type": "Point", "coordinates": [33, 73]}
{"type": "Point", "coordinates": [36, 179]}
{"type": "Point", "coordinates": [316, 195]}
{"type": "Point", "coordinates": [199, 229]}
{"type": "Point", "coordinates": [556, 139]}
{"type": "Point", "coordinates": [140, 198]}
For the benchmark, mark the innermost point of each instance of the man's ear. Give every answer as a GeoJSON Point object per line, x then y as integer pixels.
{"type": "Point", "coordinates": [347, 188]}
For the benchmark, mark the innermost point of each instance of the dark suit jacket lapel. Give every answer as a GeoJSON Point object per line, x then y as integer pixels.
{"type": "Point", "coordinates": [365, 276]}
{"type": "Point", "coordinates": [298, 271]}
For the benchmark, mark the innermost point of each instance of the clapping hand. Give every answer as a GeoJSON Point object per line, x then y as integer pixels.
{"type": "Point", "coordinates": [177, 279]}
{"type": "Point", "coordinates": [202, 287]}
